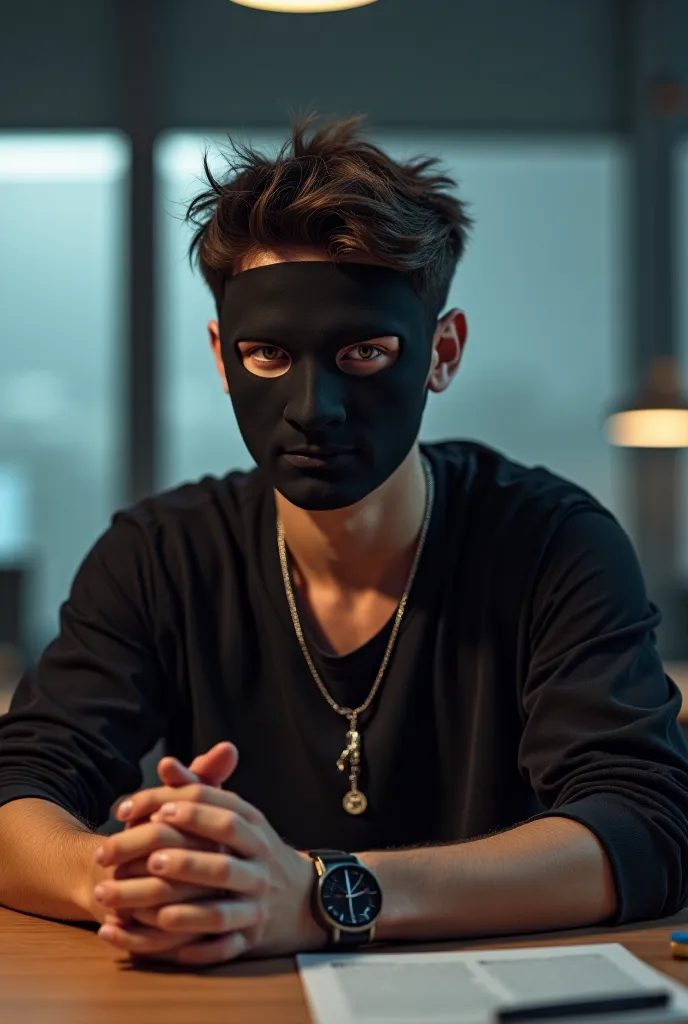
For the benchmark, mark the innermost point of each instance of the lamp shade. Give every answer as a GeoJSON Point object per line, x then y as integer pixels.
{"type": "Point", "coordinates": [303, 6]}
{"type": "Point", "coordinates": [658, 416]}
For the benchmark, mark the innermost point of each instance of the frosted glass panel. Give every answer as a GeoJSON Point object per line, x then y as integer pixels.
{"type": "Point", "coordinates": [200, 434]}
{"type": "Point", "coordinates": [541, 284]}
{"type": "Point", "coordinates": [61, 215]}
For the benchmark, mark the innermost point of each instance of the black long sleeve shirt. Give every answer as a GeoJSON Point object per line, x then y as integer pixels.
{"type": "Point", "coordinates": [525, 680]}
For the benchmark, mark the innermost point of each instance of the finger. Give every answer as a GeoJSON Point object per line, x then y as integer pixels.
{"type": "Point", "coordinates": [209, 758]}
{"type": "Point", "coordinates": [141, 940]}
{"type": "Point", "coordinates": [212, 768]}
{"type": "Point", "coordinates": [132, 869]}
{"type": "Point", "coordinates": [148, 916]}
{"type": "Point", "coordinates": [138, 842]}
{"type": "Point", "coordinates": [145, 892]}
{"type": "Point", "coordinates": [217, 825]}
{"type": "Point", "coordinates": [214, 870]}
{"type": "Point", "coordinates": [213, 951]}
{"type": "Point", "coordinates": [221, 759]}
{"type": "Point", "coordinates": [133, 808]}
{"type": "Point", "coordinates": [173, 773]}
{"type": "Point", "coordinates": [210, 916]}
{"type": "Point", "coordinates": [119, 918]}
{"type": "Point", "coordinates": [148, 801]}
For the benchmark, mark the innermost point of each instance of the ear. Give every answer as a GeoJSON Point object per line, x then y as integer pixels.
{"type": "Point", "coordinates": [214, 336]}
{"type": "Point", "coordinates": [448, 345]}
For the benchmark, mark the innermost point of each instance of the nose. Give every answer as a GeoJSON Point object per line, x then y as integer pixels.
{"type": "Point", "coordinates": [316, 401]}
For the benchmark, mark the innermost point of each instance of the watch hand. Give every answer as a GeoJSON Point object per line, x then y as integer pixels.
{"type": "Point", "coordinates": [349, 895]}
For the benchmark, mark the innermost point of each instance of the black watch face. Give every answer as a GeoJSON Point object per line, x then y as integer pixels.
{"type": "Point", "coordinates": [351, 896]}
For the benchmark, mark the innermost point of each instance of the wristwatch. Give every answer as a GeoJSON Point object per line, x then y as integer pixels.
{"type": "Point", "coordinates": [347, 898]}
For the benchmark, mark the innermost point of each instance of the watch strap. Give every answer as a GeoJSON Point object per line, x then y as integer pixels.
{"type": "Point", "coordinates": [352, 939]}
{"type": "Point", "coordinates": [330, 857]}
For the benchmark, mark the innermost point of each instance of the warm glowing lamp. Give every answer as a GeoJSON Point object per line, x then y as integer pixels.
{"type": "Point", "coordinates": [303, 6]}
{"type": "Point", "coordinates": [658, 417]}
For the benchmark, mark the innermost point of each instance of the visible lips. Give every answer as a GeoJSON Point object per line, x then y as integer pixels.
{"type": "Point", "coordinates": [317, 459]}
{"type": "Point", "coordinates": [315, 452]}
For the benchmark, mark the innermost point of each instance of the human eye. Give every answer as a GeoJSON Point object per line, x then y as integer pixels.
{"type": "Point", "coordinates": [369, 356]}
{"type": "Point", "coordinates": [264, 360]}
{"type": "Point", "coordinates": [366, 352]}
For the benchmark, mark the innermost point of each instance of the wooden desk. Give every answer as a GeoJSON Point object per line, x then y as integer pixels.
{"type": "Point", "coordinates": [54, 973]}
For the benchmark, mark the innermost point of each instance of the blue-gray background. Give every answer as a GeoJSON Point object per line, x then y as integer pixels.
{"type": "Point", "coordinates": [524, 102]}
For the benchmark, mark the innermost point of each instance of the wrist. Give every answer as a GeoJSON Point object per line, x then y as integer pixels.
{"type": "Point", "coordinates": [397, 915]}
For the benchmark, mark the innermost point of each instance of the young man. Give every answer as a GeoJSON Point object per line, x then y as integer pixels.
{"type": "Point", "coordinates": [436, 667]}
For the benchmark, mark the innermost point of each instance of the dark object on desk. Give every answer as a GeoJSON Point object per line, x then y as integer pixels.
{"type": "Point", "coordinates": [584, 1007]}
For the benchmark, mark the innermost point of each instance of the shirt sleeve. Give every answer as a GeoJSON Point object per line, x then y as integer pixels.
{"type": "Point", "coordinates": [80, 722]}
{"type": "Point", "coordinates": [601, 743]}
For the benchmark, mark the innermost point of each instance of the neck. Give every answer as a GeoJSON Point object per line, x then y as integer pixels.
{"type": "Point", "coordinates": [368, 546]}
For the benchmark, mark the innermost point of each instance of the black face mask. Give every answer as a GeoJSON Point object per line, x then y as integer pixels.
{"type": "Point", "coordinates": [312, 310]}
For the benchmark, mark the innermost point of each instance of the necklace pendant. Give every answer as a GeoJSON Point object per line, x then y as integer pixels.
{"type": "Point", "coordinates": [354, 802]}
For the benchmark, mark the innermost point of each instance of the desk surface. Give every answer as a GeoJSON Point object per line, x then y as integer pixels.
{"type": "Point", "coordinates": [62, 974]}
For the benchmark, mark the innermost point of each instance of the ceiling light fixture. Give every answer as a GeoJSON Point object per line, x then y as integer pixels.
{"type": "Point", "coordinates": [303, 6]}
{"type": "Point", "coordinates": [658, 417]}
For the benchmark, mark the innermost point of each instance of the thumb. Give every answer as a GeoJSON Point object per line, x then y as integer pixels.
{"type": "Point", "coordinates": [220, 761]}
{"type": "Point", "coordinates": [211, 768]}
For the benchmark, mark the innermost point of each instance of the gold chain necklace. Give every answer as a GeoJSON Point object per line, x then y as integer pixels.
{"type": "Point", "coordinates": [355, 801]}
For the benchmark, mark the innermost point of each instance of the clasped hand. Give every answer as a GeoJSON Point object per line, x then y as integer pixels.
{"type": "Point", "coordinates": [199, 876]}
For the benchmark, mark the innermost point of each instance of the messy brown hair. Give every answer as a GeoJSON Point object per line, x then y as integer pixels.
{"type": "Point", "coordinates": [329, 189]}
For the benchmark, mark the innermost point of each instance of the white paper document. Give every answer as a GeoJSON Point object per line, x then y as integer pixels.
{"type": "Point", "coordinates": [468, 987]}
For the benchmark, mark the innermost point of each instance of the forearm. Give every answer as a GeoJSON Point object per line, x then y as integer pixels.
{"type": "Point", "coordinates": [544, 875]}
{"type": "Point", "coordinates": [47, 860]}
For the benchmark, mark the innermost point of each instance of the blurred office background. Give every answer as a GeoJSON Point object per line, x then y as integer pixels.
{"type": "Point", "coordinates": [566, 126]}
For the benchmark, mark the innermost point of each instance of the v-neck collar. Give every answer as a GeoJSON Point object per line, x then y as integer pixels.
{"type": "Point", "coordinates": [429, 574]}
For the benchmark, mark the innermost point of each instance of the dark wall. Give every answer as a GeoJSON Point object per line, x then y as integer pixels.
{"type": "Point", "coordinates": [58, 63]}
{"type": "Point", "coordinates": [481, 64]}
{"type": "Point", "coordinates": [495, 65]}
